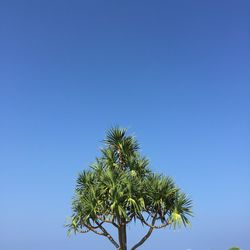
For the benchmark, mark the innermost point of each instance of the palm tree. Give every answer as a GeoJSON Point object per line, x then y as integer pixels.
{"type": "Point", "coordinates": [120, 188]}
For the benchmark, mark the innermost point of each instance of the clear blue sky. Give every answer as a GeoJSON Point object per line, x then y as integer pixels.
{"type": "Point", "coordinates": [176, 73]}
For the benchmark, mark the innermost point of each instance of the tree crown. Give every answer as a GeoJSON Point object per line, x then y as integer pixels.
{"type": "Point", "coordinates": [119, 188]}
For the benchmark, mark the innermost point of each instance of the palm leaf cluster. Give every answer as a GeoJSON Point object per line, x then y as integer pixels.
{"type": "Point", "coordinates": [119, 188]}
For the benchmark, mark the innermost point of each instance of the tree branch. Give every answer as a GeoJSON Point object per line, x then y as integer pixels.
{"type": "Point", "coordinates": [130, 218]}
{"type": "Point", "coordinates": [90, 228]}
{"type": "Point", "coordinates": [83, 231]}
{"type": "Point", "coordinates": [103, 233]}
{"type": "Point", "coordinates": [106, 234]}
{"type": "Point", "coordinates": [95, 227]}
{"type": "Point", "coordinates": [108, 221]}
{"type": "Point", "coordinates": [147, 235]}
{"type": "Point", "coordinates": [152, 225]}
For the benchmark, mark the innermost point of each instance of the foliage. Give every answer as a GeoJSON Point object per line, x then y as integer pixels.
{"type": "Point", "coordinates": [120, 188]}
{"type": "Point", "coordinates": [234, 248]}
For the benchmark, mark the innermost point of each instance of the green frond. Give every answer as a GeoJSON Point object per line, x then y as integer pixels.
{"type": "Point", "coordinates": [115, 136]}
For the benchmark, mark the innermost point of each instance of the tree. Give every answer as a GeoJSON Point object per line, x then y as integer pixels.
{"type": "Point", "coordinates": [234, 248]}
{"type": "Point", "coordinates": [120, 188]}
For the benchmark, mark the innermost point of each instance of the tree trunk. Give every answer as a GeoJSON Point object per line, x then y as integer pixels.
{"type": "Point", "coordinates": [122, 235]}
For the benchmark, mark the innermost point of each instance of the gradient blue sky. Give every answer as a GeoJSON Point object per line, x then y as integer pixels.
{"type": "Point", "coordinates": [176, 73]}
